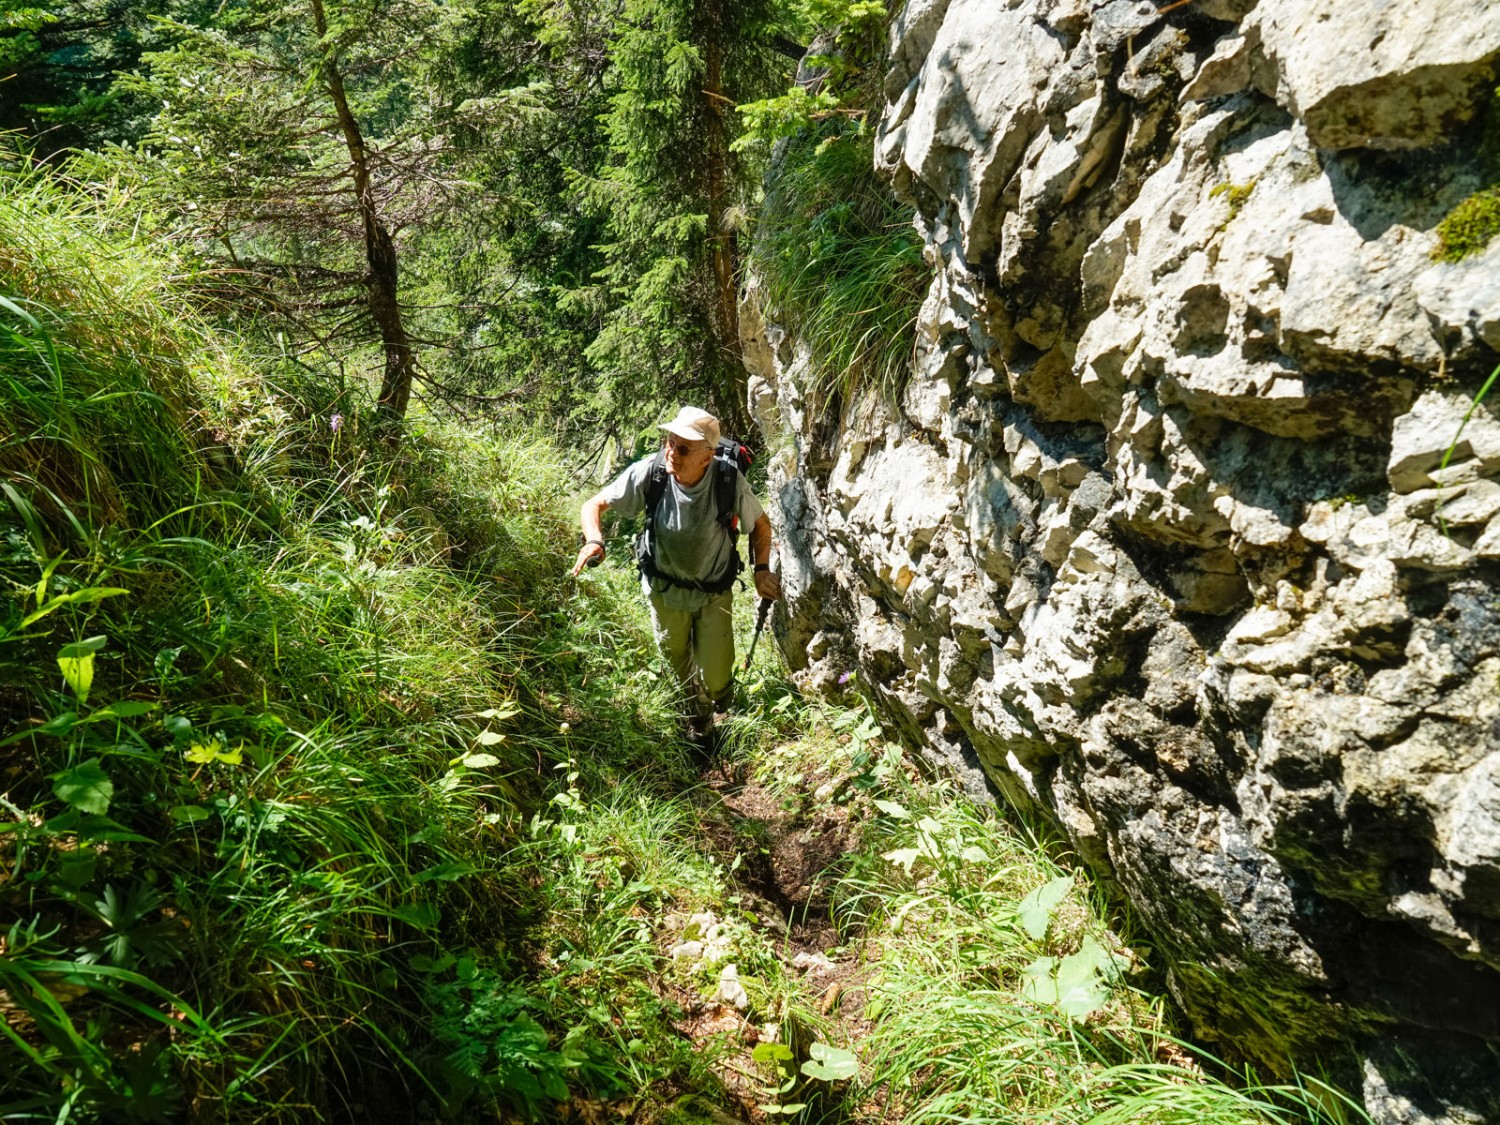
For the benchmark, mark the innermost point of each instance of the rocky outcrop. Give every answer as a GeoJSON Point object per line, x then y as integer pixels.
{"type": "Point", "coordinates": [1184, 530]}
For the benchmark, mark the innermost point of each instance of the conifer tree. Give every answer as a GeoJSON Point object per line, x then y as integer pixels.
{"type": "Point", "coordinates": [58, 62]}
{"type": "Point", "coordinates": [309, 138]}
{"type": "Point", "coordinates": [671, 191]}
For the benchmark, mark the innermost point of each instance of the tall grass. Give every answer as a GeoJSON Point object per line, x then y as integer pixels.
{"type": "Point", "coordinates": [84, 320]}
{"type": "Point", "coordinates": [1000, 996]}
{"type": "Point", "coordinates": [269, 709]}
{"type": "Point", "coordinates": [839, 261]}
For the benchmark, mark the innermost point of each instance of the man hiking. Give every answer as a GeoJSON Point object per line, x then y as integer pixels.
{"type": "Point", "coordinates": [687, 555]}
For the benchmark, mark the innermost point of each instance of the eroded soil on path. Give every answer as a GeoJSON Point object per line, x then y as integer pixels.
{"type": "Point", "coordinates": [786, 845]}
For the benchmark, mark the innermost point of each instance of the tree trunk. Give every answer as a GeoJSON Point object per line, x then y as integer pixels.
{"type": "Point", "coordinates": [380, 253]}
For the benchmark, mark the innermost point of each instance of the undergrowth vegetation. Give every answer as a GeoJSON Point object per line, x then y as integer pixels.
{"type": "Point", "coordinates": [1031, 1008]}
{"type": "Point", "coordinates": [834, 250]}
{"type": "Point", "coordinates": [271, 710]}
{"type": "Point", "coordinates": [837, 256]}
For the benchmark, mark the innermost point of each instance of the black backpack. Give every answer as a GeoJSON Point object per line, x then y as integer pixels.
{"type": "Point", "coordinates": [731, 458]}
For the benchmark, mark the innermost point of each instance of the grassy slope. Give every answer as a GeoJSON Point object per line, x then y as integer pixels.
{"type": "Point", "coordinates": [270, 711]}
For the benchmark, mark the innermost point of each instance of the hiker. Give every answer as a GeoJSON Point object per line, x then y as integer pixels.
{"type": "Point", "coordinates": [688, 555]}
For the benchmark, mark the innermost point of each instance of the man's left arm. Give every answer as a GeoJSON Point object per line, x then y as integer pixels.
{"type": "Point", "coordinates": [767, 582]}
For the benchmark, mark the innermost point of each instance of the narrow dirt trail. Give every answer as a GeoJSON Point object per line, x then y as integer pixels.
{"type": "Point", "coordinates": [785, 846]}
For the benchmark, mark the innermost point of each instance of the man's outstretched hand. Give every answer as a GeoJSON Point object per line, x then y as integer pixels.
{"type": "Point", "coordinates": [590, 554]}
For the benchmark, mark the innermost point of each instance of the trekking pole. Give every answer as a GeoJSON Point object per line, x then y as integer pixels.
{"type": "Point", "coordinates": [760, 624]}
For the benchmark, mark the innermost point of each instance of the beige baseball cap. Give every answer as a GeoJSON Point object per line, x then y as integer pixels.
{"type": "Point", "coordinates": [694, 425]}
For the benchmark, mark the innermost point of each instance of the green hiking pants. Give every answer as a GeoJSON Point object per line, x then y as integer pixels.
{"type": "Point", "coordinates": [699, 648]}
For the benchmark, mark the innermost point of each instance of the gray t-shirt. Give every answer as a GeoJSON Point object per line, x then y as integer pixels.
{"type": "Point", "coordinates": [689, 541]}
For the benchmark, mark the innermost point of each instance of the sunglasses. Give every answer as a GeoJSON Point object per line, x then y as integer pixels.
{"type": "Point", "coordinates": [683, 448]}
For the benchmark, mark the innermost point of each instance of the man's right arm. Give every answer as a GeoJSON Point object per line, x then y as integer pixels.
{"type": "Point", "coordinates": [624, 495]}
{"type": "Point", "coordinates": [591, 517]}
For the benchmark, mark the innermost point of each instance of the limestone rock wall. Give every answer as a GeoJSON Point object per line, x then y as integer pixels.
{"type": "Point", "coordinates": [1165, 537]}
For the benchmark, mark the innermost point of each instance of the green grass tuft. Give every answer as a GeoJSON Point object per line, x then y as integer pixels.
{"type": "Point", "coordinates": [1470, 227]}
{"type": "Point", "coordinates": [839, 259]}
{"type": "Point", "coordinates": [1236, 195]}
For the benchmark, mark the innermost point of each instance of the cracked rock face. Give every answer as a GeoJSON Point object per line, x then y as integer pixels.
{"type": "Point", "coordinates": [1184, 531]}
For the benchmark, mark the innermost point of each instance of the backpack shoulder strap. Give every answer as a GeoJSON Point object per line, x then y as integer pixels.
{"type": "Point", "coordinates": [726, 487]}
{"type": "Point", "coordinates": [656, 486]}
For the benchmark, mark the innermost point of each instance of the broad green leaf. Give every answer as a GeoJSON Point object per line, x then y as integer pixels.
{"type": "Point", "coordinates": [91, 828]}
{"type": "Point", "coordinates": [499, 713]}
{"type": "Point", "coordinates": [1041, 983]}
{"type": "Point", "coordinates": [891, 808]}
{"type": "Point", "coordinates": [1100, 958]}
{"type": "Point", "coordinates": [164, 661]}
{"type": "Point", "coordinates": [211, 750]}
{"type": "Point", "coordinates": [419, 915]}
{"type": "Point", "coordinates": [78, 866]}
{"type": "Point", "coordinates": [975, 854]}
{"type": "Point", "coordinates": [769, 1054]}
{"type": "Point", "coordinates": [189, 814]}
{"type": "Point", "coordinates": [77, 664]}
{"type": "Point", "coordinates": [903, 857]}
{"type": "Point", "coordinates": [85, 787]}
{"type": "Point", "coordinates": [479, 761]}
{"type": "Point", "coordinates": [60, 724]}
{"type": "Point", "coordinates": [1080, 988]}
{"type": "Point", "coordinates": [258, 754]}
{"type": "Point", "coordinates": [201, 753]}
{"type": "Point", "coordinates": [1037, 907]}
{"type": "Point", "coordinates": [554, 1086]}
{"type": "Point", "coordinates": [178, 726]}
{"type": "Point", "coordinates": [125, 709]}
{"type": "Point", "coordinates": [489, 738]}
{"type": "Point", "coordinates": [830, 1064]}
{"type": "Point", "coordinates": [515, 1077]}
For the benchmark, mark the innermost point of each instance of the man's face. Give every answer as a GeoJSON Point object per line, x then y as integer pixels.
{"type": "Point", "coordinates": [687, 460]}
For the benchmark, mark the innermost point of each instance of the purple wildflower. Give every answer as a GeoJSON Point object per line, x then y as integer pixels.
{"type": "Point", "coordinates": [335, 422]}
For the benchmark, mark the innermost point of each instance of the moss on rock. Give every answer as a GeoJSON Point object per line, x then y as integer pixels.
{"type": "Point", "coordinates": [1469, 227]}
